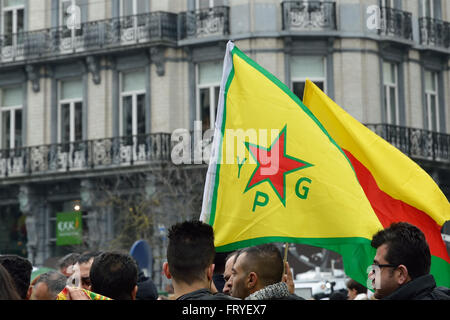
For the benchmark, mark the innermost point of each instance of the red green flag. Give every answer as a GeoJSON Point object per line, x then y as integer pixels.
{"type": "Point", "coordinates": [278, 172]}
{"type": "Point", "coordinates": [396, 187]}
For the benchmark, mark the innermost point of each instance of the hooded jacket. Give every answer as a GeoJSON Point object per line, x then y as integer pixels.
{"type": "Point", "coordinates": [205, 294]}
{"type": "Point", "coordinates": [421, 288]}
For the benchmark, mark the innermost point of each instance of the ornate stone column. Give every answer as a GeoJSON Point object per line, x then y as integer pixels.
{"type": "Point", "coordinates": [31, 206]}
{"type": "Point", "coordinates": [96, 221]}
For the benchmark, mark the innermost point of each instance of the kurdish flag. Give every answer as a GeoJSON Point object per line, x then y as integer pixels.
{"type": "Point", "coordinates": [396, 187]}
{"type": "Point", "coordinates": [283, 172]}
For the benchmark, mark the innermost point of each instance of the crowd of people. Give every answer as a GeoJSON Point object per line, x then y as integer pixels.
{"type": "Point", "coordinates": [254, 273]}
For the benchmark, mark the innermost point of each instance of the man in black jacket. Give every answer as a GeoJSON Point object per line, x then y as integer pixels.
{"type": "Point", "coordinates": [190, 257]}
{"type": "Point", "coordinates": [402, 265]}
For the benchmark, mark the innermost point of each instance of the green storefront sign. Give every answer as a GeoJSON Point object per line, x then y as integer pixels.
{"type": "Point", "coordinates": [69, 230]}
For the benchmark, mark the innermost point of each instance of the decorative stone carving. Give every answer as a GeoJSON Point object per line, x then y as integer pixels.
{"type": "Point", "coordinates": [95, 217]}
{"type": "Point", "coordinates": [157, 57]}
{"type": "Point", "coordinates": [28, 205]}
{"type": "Point", "coordinates": [33, 76]}
{"type": "Point", "coordinates": [86, 194]}
{"type": "Point", "coordinates": [93, 66]}
{"type": "Point", "coordinates": [25, 199]}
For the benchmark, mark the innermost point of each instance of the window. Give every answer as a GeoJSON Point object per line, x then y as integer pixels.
{"type": "Point", "coordinates": [205, 4]}
{"type": "Point", "coordinates": [209, 75]}
{"type": "Point", "coordinates": [13, 233]}
{"type": "Point", "coordinates": [11, 117]}
{"type": "Point", "coordinates": [428, 8]}
{"type": "Point", "coordinates": [311, 67]}
{"type": "Point", "coordinates": [13, 17]}
{"type": "Point", "coordinates": [431, 101]}
{"type": "Point", "coordinates": [70, 17]}
{"type": "Point", "coordinates": [132, 106]}
{"type": "Point", "coordinates": [132, 7]}
{"type": "Point", "coordinates": [387, 4]}
{"type": "Point", "coordinates": [70, 111]}
{"type": "Point", "coordinates": [131, 11]}
{"type": "Point", "coordinates": [390, 84]}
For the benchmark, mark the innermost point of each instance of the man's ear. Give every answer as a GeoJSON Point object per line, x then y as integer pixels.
{"type": "Point", "coordinates": [210, 272]}
{"type": "Point", "coordinates": [134, 292]}
{"type": "Point", "coordinates": [252, 280]}
{"type": "Point", "coordinates": [166, 270]}
{"type": "Point", "coordinates": [402, 274]}
{"type": "Point", "coordinates": [29, 292]}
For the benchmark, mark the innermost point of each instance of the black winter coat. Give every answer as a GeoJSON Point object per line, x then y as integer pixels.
{"type": "Point", "coordinates": [205, 294]}
{"type": "Point", "coordinates": [421, 288]}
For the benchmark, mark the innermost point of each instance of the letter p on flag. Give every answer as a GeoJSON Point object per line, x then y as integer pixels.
{"type": "Point", "coordinates": [348, 172]}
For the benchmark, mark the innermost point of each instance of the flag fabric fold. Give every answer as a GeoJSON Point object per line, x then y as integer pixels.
{"type": "Point", "coordinates": [396, 187]}
{"type": "Point", "coordinates": [281, 172]}
{"type": "Point", "coordinates": [64, 294]}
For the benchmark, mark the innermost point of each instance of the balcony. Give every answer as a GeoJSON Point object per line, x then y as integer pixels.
{"type": "Point", "coordinates": [416, 143]}
{"type": "Point", "coordinates": [204, 23]}
{"type": "Point", "coordinates": [80, 156]}
{"type": "Point", "coordinates": [434, 33]}
{"type": "Point", "coordinates": [149, 28]}
{"type": "Point", "coordinates": [396, 24]}
{"type": "Point", "coordinates": [309, 15]}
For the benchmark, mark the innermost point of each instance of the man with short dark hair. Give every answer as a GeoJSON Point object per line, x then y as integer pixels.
{"type": "Point", "coordinates": [402, 264]}
{"type": "Point", "coordinates": [190, 256]}
{"type": "Point", "coordinates": [115, 276]}
{"type": "Point", "coordinates": [83, 267]}
{"type": "Point", "coordinates": [20, 270]}
{"type": "Point", "coordinates": [258, 275]}
{"type": "Point", "coordinates": [48, 286]}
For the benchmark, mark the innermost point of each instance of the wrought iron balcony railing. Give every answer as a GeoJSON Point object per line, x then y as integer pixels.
{"type": "Point", "coordinates": [110, 153]}
{"type": "Point", "coordinates": [86, 155]}
{"type": "Point", "coordinates": [204, 23]}
{"type": "Point", "coordinates": [434, 32]}
{"type": "Point", "coordinates": [416, 143]}
{"type": "Point", "coordinates": [309, 15]}
{"type": "Point", "coordinates": [94, 35]}
{"type": "Point", "coordinates": [396, 23]}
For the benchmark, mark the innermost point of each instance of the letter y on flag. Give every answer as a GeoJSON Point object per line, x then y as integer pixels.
{"type": "Point", "coordinates": [297, 183]}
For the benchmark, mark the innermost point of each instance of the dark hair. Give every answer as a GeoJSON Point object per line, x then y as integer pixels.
{"type": "Point", "coordinates": [86, 256]}
{"type": "Point", "coordinates": [68, 260]}
{"type": "Point", "coordinates": [233, 255]}
{"type": "Point", "coordinates": [114, 275]}
{"type": "Point", "coordinates": [190, 250]}
{"type": "Point", "coordinates": [55, 282]}
{"type": "Point", "coordinates": [20, 270]}
{"type": "Point", "coordinates": [7, 288]}
{"type": "Point", "coordinates": [406, 245]}
{"type": "Point", "coordinates": [352, 284]}
{"type": "Point", "coordinates": [266, 261]}
{"type": "Point", "coordinates": [338, 295]}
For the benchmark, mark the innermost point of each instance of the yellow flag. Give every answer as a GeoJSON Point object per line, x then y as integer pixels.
{"type": "Point", "coordinates": [276, 175]}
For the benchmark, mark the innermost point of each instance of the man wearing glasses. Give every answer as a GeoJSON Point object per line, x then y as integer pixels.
{"type": "Point", "coordinates": [402, 265]}
{"type": "Point", "coordinates": [84, 264]}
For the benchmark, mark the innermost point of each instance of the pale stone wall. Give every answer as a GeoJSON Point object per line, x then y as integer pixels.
{"type": "Point", "coordinates": [99, 10]}
{"type": "Point", "coordinates": [413, 91]}
{"type": "Point", "coordinates": [99, 103]}
{"type": "Point", "coordinates": [38, 112]}
{"type": "Point", "coordinates": [39, 14]}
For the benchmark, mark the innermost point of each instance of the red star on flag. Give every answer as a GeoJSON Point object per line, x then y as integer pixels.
{"type": "Point", "coordinates": [273, 164]}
